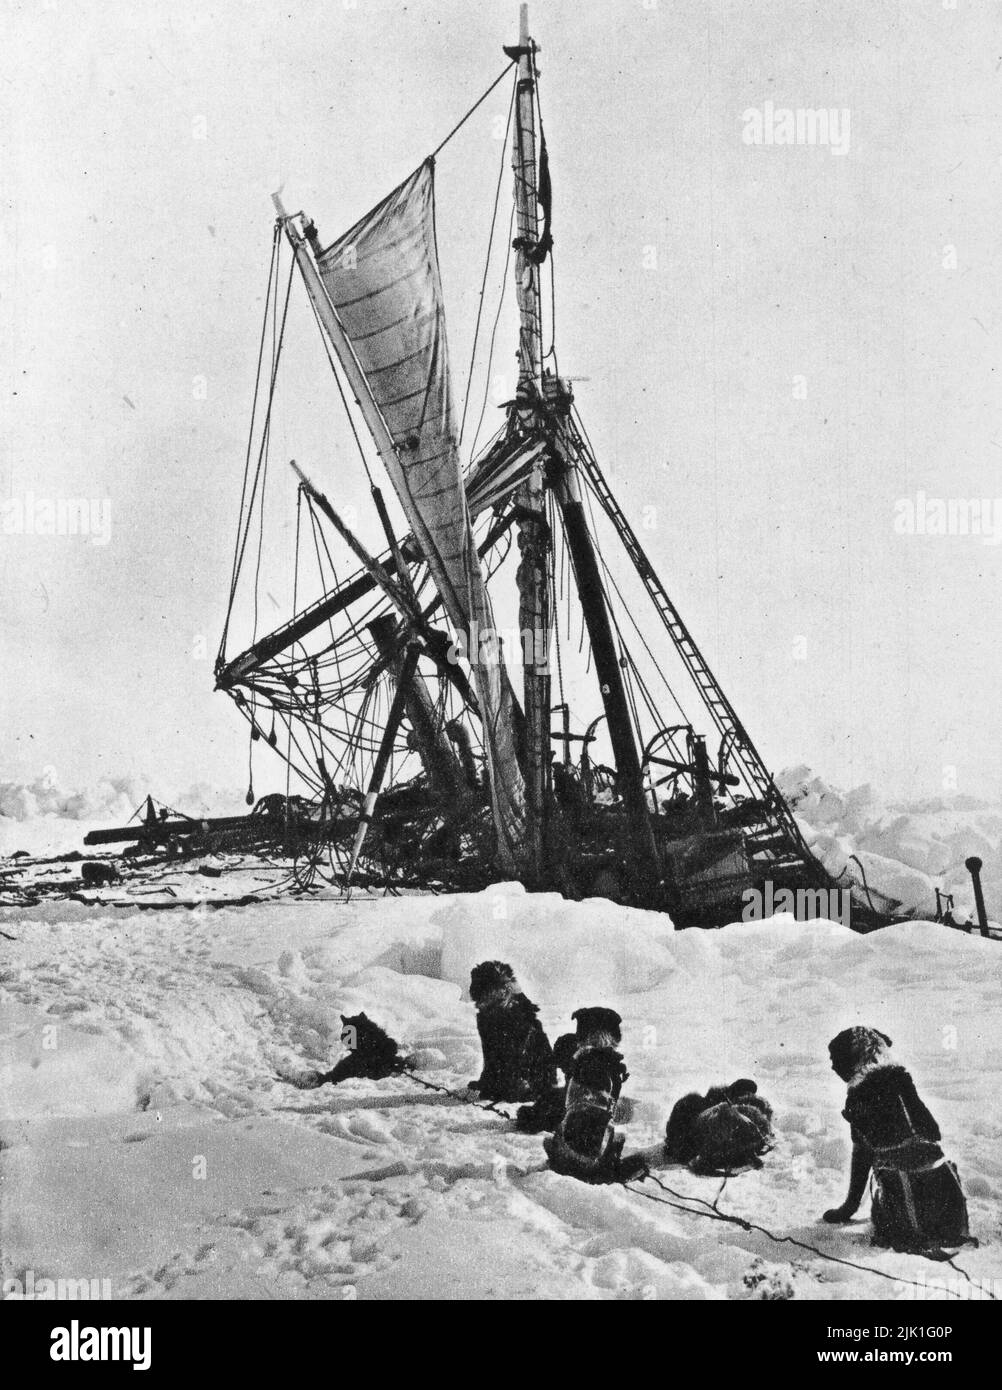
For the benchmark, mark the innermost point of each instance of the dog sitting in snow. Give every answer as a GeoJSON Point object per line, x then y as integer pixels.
{"type": "Point", "coordinates": [729, 1127]}
{"type": "Point", "coordinates": [918, 1204]}
{"type": "Point", "coordinates": [596, 1027]}
{"type": "Point", "coordinates": [603, 1028]}
{"type": "Point", "coordinates": [372, 1053]}
{"type": "Point", "coordinates": [544, 1115]}
{"type": "Point", "coordinates": [518, 1059]}
{"type": "Point", "coordinates": [585, 1144]}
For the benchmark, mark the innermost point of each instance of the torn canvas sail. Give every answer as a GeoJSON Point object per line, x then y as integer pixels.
{"type": "Point", "coordinates": [383, 280]}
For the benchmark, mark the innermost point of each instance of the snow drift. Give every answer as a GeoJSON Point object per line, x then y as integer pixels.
{"type": "Point", "coordinates": [905, 850]}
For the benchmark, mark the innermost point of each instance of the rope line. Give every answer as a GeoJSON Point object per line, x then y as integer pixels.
{"type": "Point", "coordinates": [235, 568]}
{"type": "Point", "coordinates": [494, 330]}
{"type": "Point", "coordinates": [456, 1095]}
{"type": "Point", "coordinates": [487, 265]}
{"type": "Point", "coordinates": [479, 102]}
{"type": "Point", "coordinates": [714, 1214]}
{"type": "Point", "coordinates": [712, 1210]}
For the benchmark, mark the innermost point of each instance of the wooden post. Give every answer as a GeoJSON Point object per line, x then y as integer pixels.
{"type": "Point", "coordinates": [534, 610]}
{"type": "Point", "coordinates": [382, 759]}
{"type": "Point", "coordinates": [591, 592]}
{"type": "Point", "coordinates": [441, 765]}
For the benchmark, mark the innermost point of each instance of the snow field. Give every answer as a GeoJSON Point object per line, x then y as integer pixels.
{"type": "Point", "coordinates": [180, 1025]}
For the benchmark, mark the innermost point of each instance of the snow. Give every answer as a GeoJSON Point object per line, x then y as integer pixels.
{"type": "Point", "coordinates": [43, 817]}
{"type": "Point", "coordinates": [907, 850]}
{"type": "Point", "coordinates": [149, 1138]}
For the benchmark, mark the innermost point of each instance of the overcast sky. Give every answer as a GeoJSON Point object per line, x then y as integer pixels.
{"type": "Point", "coordinates": [778, 344]}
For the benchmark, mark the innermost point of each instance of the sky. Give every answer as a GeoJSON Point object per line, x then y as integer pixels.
{"type": "Point", "coordinates": [783, 352]}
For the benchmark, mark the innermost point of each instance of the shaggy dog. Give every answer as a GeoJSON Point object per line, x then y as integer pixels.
{"type": "Point", "coordinates": [585, 1144]}
{"type": "Point", "coordinates": [727, 1128]}
{"type": "Point", "coordinates": [918, 1204]}
{"type": "Point", "coordinates": [596, 1027]}
{"type": "Point", "coordinates": [518, 1059]}
{"type": "Point", "coordinates": [603, 1028]}
{"type": "Point", "coordinates": [371, 1053]}
{"type": "Point", "coordinates": [92, 873]}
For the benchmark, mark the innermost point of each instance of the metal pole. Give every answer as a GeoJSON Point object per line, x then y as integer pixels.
{"type": "Point", "coordinates": [973, 866]}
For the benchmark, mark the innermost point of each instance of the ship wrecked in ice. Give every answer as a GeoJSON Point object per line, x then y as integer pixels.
{"type": "Point", "coordinates": [484, 692]}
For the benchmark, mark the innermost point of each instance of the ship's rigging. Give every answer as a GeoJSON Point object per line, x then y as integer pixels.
{"type": "Point", "coordinates": [427, 746]}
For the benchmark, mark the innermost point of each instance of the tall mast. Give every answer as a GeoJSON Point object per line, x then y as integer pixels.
{"type": "Point", "coordinates": [534, 611]}
{"type": "Point", "coordinates": [537, 397]}
{"type": "Point", "coordinates": [523, 159]}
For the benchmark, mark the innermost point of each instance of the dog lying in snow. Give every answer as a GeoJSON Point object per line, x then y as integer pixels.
{"type": "Point", "coordinates": [372, 1054]}
{"type": "Point", "coordinates": [93, 873]}
{"type": "Point", "coordinates": [518, 1059]}
{"type": "Point", "coordinates": [918, 1204]}
{"type": "Point", "coordinates": [729, 1127]}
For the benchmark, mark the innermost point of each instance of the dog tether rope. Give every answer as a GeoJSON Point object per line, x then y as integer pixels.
{"type": "Point", "coordinates": [713, 1213]}
{"type": "Point", "coordinates": [456, 1095]}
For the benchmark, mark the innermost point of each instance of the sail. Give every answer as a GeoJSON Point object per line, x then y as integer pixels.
{"type": "Point", "coordinates": [383, 280]}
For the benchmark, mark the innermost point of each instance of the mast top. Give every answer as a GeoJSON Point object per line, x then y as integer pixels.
{"type": "Point", "coordinates": [520, 51]}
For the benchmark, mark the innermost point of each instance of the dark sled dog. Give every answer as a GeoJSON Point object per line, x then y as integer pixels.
{"type": "Point", "coordinates": [518, 1059]}
{"type": "Point", "coordinates": [93, 873]}
{"type": "Point", "coordinates": [372, 1053]}
{"type": "Point", "coordinates": [729, 1127]}
{"type": "Point", "coordinates": [918, 1204]}
{"type": "Point", "coordinates": [545, 1114]}
{"type": "Point", "coordinates": [596, 1027]}
{"type": "Point", "coordinates": [585, 1144]}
